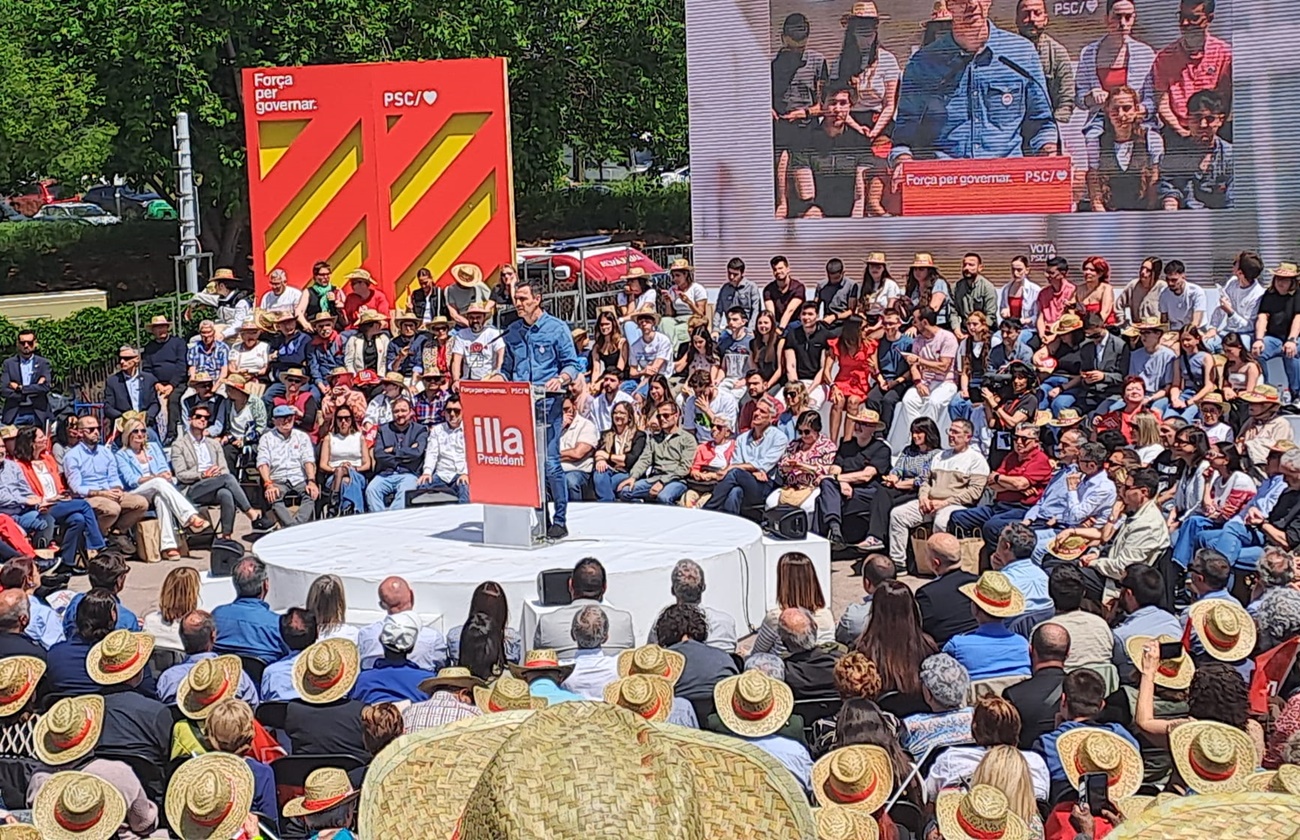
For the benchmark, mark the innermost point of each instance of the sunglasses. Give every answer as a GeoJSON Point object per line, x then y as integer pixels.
{"type": "Point", "coordinates": [665, 415]}
{"type": "Point", "coordinates": [126, 358]}
{"type": "Point", "coordinates": [22, 343]}
{"type": "Point", "coordinates": [89, 428]}
{"type": "Point", "coordinates": [807, 432]}
{"type": "Point", "coordinates": [451, 411]}
{"type": "Point", "coordinates": [205, 418]}
{"type": "Point", "coordinates": [138, 432]}
{"type": "Point", "coordinates": [343, 416]}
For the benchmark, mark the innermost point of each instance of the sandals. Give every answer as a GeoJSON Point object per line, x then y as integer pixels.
{"type": "Point", "coordinates": [198, 524]}
{"type": "Point", "coordinates": [172, 554]}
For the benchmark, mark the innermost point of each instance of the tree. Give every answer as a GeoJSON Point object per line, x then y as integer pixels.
{"type": "Point", "coordinates": [46, 129]}
{"type": "Point", "coordinates": [597, 76]}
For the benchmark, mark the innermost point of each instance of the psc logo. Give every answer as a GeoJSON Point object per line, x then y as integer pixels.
{"type": "Point", "coordinates": [409, 98]}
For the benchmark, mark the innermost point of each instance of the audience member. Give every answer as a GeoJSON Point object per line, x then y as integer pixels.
{"type": "Point", "coordinates": [1091, 642]}
{"type": "Point", "coordinates": [1011, 557]}
{"type": "Point", "coordinates": [489, 599]}
{"type": "Point", "coordinates": [944, 609]}
{"type": "Point", "coordinates": [542, 670]}
{"type": "Point", "coordinates": [1083, 696]}
{"type": "Point", "coordinates": [895, 641]}
{"type": "Point", "coordinates": [946, 687]}
{"type": "Point", "coordinates": [809, 668]}
{"type": "Point", "coordinates": [230, 728]}
{"type": "Point", "coordinates": [754, 707]}
{"type": "Point", "coordinates": [178, 598]}
{"type": "Point", "coordinates": [991, 650]}
{"type": "Point", "coordinates": [393, 677]}
{"type": "Point", "coordinates": [322, 719]}
{"type": "Point", "coordinates": [198, 633]}
{"type": "Point", "coordinates": [451, 698]}
{"type": "Point", "coordinates": [246, 626]}
{"type": "Point", "coordinates": [876, 569]}
{"type": "Point", "coordinates": [67, 673]}
{"type": "Point", "coordinates": [956, 480]}
{"type": "Point", "coordinates": [662, 665]}
{"type": "Point", "coordinates": [994, 722]}
{"type": "Point", "coordinates": [135, 724]}
{"type": "Point", "coordinates": [1038, 699]}
{"type": "Point", "coordinates": [688, 589]}
{"type": "Point", "coordinates": [105, 571]}
{"type": "Point", "coordinates": [797, 585]}
{"type": "Point", "coordinates": [15, 617]}
{"type": "Point", "coordinates": [683, 630]}
{"type": "Point", "coordinates": [593, 670]}
{"type": "Point", "coordinates": [587, 585]}
{"type": "Point", "coordinates": [22, 575]}
{"type": "Point", "coordinates": [297, 627]}
{"type": "Point", "coordinates": [286, 462]}
{"type": "Point", "coordinates": [1017, 483]}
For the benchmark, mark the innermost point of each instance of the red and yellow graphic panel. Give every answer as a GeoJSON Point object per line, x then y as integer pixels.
{"type": "Point", "coordinates": [389, 167]}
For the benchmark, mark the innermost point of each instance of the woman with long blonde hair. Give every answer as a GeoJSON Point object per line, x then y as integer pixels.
{"type": "Point", "coordinates": [327, 600]}
{"type": "Point", "coordinates": [1005, 768]}
{"type": "Point", "coordinates": [1146, 437]}
{"type": "Point", "coordinates": [178, 598]}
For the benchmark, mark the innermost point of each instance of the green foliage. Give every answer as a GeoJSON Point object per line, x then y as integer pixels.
{"type": "Point", "coordinates": [130, 261]}
{"type": "Point", "coordinates": [602, 77]}
{"type": "Point", "coordinates": [46, 107]}
{"type": "Point", "coordinates": [638, 206]}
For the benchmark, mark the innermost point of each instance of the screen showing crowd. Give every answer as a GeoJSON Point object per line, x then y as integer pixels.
{"type": "Point", "coordinates": [903, 108]}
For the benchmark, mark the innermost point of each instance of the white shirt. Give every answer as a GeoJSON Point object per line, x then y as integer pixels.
{"type": "Point", "coordinates": [600, 411]}
{"type": "Point", "coordinates": [592, 671]}
{"type": "Point", "coordinates": [245, 359]}
{"type": "Point", "coordinates": [286, 300]}
{"type": "Point", "coordinates": [345, 449]}
{"type": "Point", "coordinates": [581, 430]}
{"type": "Point", "coordinates": [1245, 306]}
{"type": "Point", "coordinates": [723, 404]}
{"type": "Point", "coordinates": [873, 80]}
{"type": "Point", "coordinates": [957, 764]}
{"type": "Point", "coordinates": [1181, 308]}
{"type": "Point", "coordinates": [286, 456]}
{"type": "Point", "coordinates": [642, 353]}
{"type": "Point", "coordinates": [479, 351]}
{"type": "Point", "coordinates": [379, 411]}
{"type": "Point", "coordinates": [343, 631]}
{"type": "Point", "coordinates": [645, 300]}
{"type": "Point", "coordinates": [694, 293]}
{"type": "Point", "coordinates": [430, 650]}
{"type": "Point", "coordinates": [889, 290]}
{"type": "Point", "coordinates": [445, 455]}
{"type": "Point", "coordinates": [202, 455]}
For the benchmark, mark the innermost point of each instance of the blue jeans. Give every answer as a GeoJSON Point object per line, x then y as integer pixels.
{"type": "Point", "coordinates": [394, 486]}
{"type": "Point", "coordinates": [1189, 537]}
{"type": "Point", "coordinates": [1166, 410]}
{"type": "Point", "coordinates": [1241, 545]}
{"type": "Point", "coordinates": [1273, 350]}
{"type": "Point", "coordinates": [75, 517]}
{"type": "Point", "coordinates": [606, 483]}
{"type": "Point", "coordinates": [576, 482]}
{"type": "Point", "coordinates": [960, 408]}
{"type": "Point", "coordinates": [552, 409]}
{"type": "Point", "coordinates": [989, 519]}
{"type": "Point", "coordinates": [461, 491]}
{"type": "Point", "coordinates": [1066, 399]}
{"type": "Point", "coordinates": [737, 490]}
{"type": "Point", "coordinates": [353, 493]}
{"type": "Point", "coordinates": [1054, 381]}
{"type": "Point", "coordinates": [671, 493]}
{"type": "Point", "coordinates": [1042, 536]}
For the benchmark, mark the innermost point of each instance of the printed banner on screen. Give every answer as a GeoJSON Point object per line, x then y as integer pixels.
{"type": "Point", "coordinates": [501, 443]}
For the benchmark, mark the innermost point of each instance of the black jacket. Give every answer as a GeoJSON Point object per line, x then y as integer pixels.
{"type": "Point", "coordinates": [1037, 699]}
{"type": "Point", "coordinates": [945, 612]}
{"type": "Point", "coordinates": [811, 673]}
{"type": "Point", "coordinates": [34, 397]}
{"type": "Point", "coordinates": [117, 399]}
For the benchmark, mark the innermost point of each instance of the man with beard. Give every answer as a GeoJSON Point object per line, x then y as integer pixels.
{"type": "Point", "coordinates": [1032, 22]}
{"type": "Point", "coordinates": [830, 175]}
{"type": "Point", "coordinates": [893, 374]}
{"type": "Point", "coordinates": [477, 350]}
{"type": "Point", "coordinates": [973, 293]}
{"type": "Point", "coordinates": [859, 463]}
{"type": "Point", "coordinates": [1196, 62]}
{"type": "Point", "coordinates": [798, 76]}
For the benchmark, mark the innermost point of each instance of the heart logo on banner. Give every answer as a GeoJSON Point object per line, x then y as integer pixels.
{"type": "Point", "coordinates": [1062, 175]}
{"type": "Point", "coordinates": [430, 96]}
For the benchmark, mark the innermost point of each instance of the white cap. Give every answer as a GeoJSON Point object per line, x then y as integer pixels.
{"type": "Point", "coordinates": [399, 632]}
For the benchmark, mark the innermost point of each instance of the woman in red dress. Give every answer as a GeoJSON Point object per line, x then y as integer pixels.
{"type": "Point", "coordinates": [853, 379]}
{"type": "Point", "coordinates": [1095, 294]}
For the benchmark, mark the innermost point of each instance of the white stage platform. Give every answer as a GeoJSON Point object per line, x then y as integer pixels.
{"type": "Point", "coordinates": [439, 551]}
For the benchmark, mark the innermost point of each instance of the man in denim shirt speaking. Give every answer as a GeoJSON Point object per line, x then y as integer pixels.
{"type": "Point", "coordinates": [978, 92]}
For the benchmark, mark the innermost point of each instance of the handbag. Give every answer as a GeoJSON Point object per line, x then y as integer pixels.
{"type": "Point", "coordinates": [794, 497]}
{"type": "Point", "coordinates": [971, 547]}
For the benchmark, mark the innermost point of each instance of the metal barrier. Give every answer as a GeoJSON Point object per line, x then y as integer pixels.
{"type": "Point", "coordinates": [665, 254]}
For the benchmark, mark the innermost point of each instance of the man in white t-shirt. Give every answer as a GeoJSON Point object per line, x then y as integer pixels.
{"type": "Point", "coordinates": [688, 299]}
{"type": "Point", "coordinates": [282, 297]}
{"type": "Point", "coordinates": [707, 403]}
{"type": "Point", "coordinates": [1238, 302]}
{"type": "Point", "coordinates": [577, 450]}
{"type": "Point", "coordinates": [600, 407]}
{"type": "Point", "coordinates": [1182, 302]}
{"type": "Point", "coordinates": [649, 355]}
{"type": "Point", "coordinates": [477, 350]}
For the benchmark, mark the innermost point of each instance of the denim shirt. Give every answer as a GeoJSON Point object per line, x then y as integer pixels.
{"type": "Point", "coordinates": [955, 105]}
{"type": "Point", "coordinates": [247, 627]}
{"type": "Point", "coordinates": [129, 468]}
{"type": "Point", "coordinates": [91, 469]}
{"type": "Point", "coordinates": [763, 454]}
{"type": "Point", "coordinates": [540, 352]}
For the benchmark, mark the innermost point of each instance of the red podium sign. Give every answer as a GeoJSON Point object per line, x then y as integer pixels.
{"type": "Point", "coordinates": [501, 444]}
{"type": "Point", "coordinates": [974, 187]}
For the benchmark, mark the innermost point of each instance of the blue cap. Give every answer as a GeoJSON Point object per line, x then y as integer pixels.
{"type": "Point", "coordinates": [284, 411]}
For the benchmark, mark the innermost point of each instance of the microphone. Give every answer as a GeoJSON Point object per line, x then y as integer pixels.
{"type": "Point", "coordinates": [1020, 71]}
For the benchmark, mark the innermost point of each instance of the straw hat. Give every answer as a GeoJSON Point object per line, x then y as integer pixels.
{"type": "Point", "coordinates": [1148, 322]}
{"type": "Point", "coordinates": [293, 373]}
{"type": "Point", "coordinates": [321, 317]}
{"type": "Point", "coordinates": [996, 595]}
{"type": "Point", "coordinates": [18, 678]}
{"type": "Point", "coordinates": [1225, 628]}
{"type": "Point", "coordinates": [845, 824]}
{"type": "Point", "coordinates": [1068, 323]}
{"type": "Point", "coordinates": [1285, 779]}
{"type": "Point", "coordinates": [543, 661]}
{"type": "Point", "coordinates": [1262, 394]}
{"type": "Point", "coordinates": [401, 316]}
{"type": "Point", "coordinates": [337, 372]}
{"type": "Point", "coordinates": [362, 275]}
{"type": "Point", "coordinates": [1069, 547]}
{"type": "Point", "coordinates": [645, 313]}
{"type": "Point", "coordinates": [1172, 673]}
{"type": "Point", "coordinates": [202, 377]}
{"type": "Point", "coordinates": [637, 272]}
{"type": "Point", "coordinates": [1067, 417]}
{"type": "Point", "coordinates": [324, 789]}
{"type": "Point", "coordinates": [1213, 398]}
{"type": "Point", "coordinates": [858, 777]}
{"type": "Point", "coordinates": [78, 805]}
{"type": "Point", "coordinates": [478, 307]}
{"type": "Point", "coordinates": [650, 697]}
{"type": "Point", "coordinates": [207, 683]}
{"type": "Point", "coordinates": [8, 432]}
{"type": "Point", "coordinates": [752, 704]}
{"type": "Point", "coordinates": [1089, 749]}
{"type": "Point", "coordinates": [209, 796]}
{"type": "Point", "coordinates": [451, 677]}
{"type": "Point", "coordinates": [1286, 269]}
{"type": "Point", "coordinates": [865, 416]}
{"type": "Point", "coordinates": [681, 265]}
{"type": "Point", "coordinates": [392, 377]}
{"type": "Point", "coordinates": [981, 814]}
{"type": "Point", "coordinates": [223, 274]}
{"type": "Point", "coordinates": [119, 656]}
{"type": "Point", "coordinates": [466, 274]}
{"type": "Point", "coordinates": [1212, 757]}
{"type": "Point", "coordinates": [370, 316]}
{"type": "Point", "coordinates": [1246, 815]}
{"type": "Point", "coordinates": [1132, 806]}
{"type": "Point", "coordinates": [254, 324]}
{"type": "Point", "coordinates": [440, 321]}
{"type": "Point", "coordinates": [69, 730]}
{"type": "Point", "coordinates": [923, 260]}
{"type": "Point", "coordinates": [526, 774]}
{"type": "Point", "coordinates": [507, 694]}
{"type": "Point", "coordinates": [159, 321]}
{"type": "Point", "coordinates": [19, 831]}
{"type": "Point", "coordinates": [326, 671]}
{"type": "Point", "coordinates": [877, 258]}
{"type": "Point", "coordinates": [653, 660]}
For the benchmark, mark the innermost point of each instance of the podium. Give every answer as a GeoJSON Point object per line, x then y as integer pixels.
{"type": "Point", "coordinates": [505, 456]}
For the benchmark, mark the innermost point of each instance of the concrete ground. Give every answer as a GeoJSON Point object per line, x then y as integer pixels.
{"type": "Point", "coordinates": [145, 579]}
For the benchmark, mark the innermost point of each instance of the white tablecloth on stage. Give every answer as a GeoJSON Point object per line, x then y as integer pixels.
{"type": "Point", "coordinates": [439, 551]}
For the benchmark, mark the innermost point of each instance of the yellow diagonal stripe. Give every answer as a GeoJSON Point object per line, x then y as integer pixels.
{"type": "Point", "coordinates": [433, 160]}
{"type": "Point", "coordinates": [324, 184]}
{"type": "Point", "coordinates": [274, 137]}
{"type": "Point", "coordinates": [468, 222]}
{"type": "Point", "coordinates": [351, 253]}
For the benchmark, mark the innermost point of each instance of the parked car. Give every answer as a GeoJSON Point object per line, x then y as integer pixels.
{"type": "Point", "coordinates": [76, 211]}
{"type": "Point", "coordinates": [32, 197]}
{"type": "Point", "coordinates": [121, 200]}
{"type": "Point", "coordinates": [677, 176]}
{"type": "Point", "coordinates": [598, 262]}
